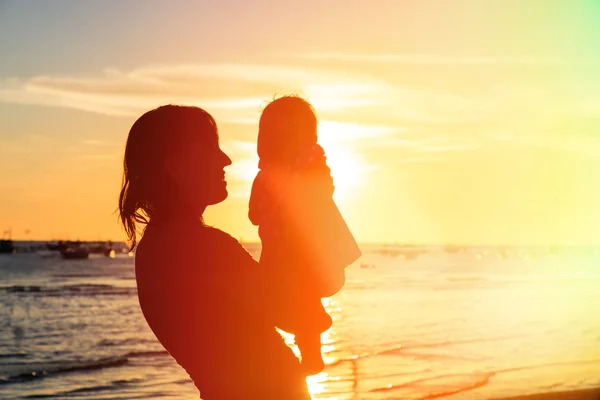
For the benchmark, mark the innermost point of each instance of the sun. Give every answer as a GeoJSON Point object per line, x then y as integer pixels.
{"type": "Point", "coordinates": [345, 169]}
{"type": "Point", "coordinates": [348, 168]}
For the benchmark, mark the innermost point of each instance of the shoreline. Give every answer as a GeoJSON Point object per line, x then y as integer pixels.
{"type": "Point", "coordinates": [577, 394]}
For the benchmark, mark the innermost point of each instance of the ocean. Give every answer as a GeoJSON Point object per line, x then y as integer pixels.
{"type": "Point", "coordinates": [411, 323]}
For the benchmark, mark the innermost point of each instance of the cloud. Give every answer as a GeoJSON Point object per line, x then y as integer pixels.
{"type": "Point", "coordinates": [237, 93]}
{"type": "Point", "coordinates": [435, 59]}
{"type": "Point", "coordinates": [106, 95]}
{"type": "Point", "coordinates": [588, 146]}
{"type": "Point", "coordinates": [375, 112]}
{"type": "Point", "coordinates": [101, 143]}
{"type": "Point", "coordinates": [99, 156]}
{"type": "Point", "coordinates": [335, 131]}
{"type": "Point", "coordinates": [226, 88]}
{"type": "Point", "coordinates": [447, 148]}
{"type": "Point", "coordinates": [415, 160]}
{"type": "Point", "coordinates": [348, 166]}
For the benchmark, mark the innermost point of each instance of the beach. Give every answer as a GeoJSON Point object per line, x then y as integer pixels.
{"type": "Point", "coordinates": [416, 323]}
{"type": "Point", "coordinates": [591, 394]}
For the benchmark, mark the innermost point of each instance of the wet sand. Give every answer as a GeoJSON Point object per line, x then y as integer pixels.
{"type": "Point", "coordinates": [587, 394]}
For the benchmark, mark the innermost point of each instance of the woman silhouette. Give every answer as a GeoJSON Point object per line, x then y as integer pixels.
{"type": "Point", "coordinates": [204, 297]}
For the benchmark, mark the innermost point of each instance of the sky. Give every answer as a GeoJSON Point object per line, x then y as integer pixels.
{"type": "Point", "coordinates": [445, 122]}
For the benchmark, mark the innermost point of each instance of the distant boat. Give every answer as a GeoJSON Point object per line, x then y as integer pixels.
{"type": "Point", "coordinates": [61, 245]}
{"type": "Point", "coordinates": [101, 248]}
{"type": "Point", "coordinates": [452, 249]}
{"type": "Point", "coordinates": [75, 253]}
{"type": "Point", "coordinates": [6, 244]}
{"type": "Point", "coordinates": [410, 255]}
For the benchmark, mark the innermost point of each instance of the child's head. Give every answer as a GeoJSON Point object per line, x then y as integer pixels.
{"type": "Point", "coordinates": [287, 126]}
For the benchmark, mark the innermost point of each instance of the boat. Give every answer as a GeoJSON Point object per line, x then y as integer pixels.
{"type": "Point", "coordinates": [75, 253]}
{"type": "Point", "coordinates": [61, 245]}
{"type": "Point", "coordinates": [6, 244]}
{"type": "Point", "coordinates": [101, 248]}
{"type": "Point", "coordinates": [453, 249]}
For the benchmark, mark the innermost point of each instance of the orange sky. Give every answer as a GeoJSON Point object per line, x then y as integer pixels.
{"type": "Point", "coordinates": [442, 125]}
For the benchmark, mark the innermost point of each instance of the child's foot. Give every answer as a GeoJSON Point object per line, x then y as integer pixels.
{"type": "Point", "coordinates": [310, 349]}
{"type": "Point", "coordinates": [312, 365]}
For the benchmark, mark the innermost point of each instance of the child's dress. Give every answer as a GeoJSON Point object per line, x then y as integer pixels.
{"type": "Point", "coordinates": [306, 242]}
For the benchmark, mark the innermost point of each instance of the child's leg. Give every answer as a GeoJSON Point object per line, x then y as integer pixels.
{"type": "Point", "coordinates": [308, 336]}
{"type": "Point", "coordinates": [300, 307]}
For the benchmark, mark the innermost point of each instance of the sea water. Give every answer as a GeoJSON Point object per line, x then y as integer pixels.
{"type": "Point", "coordinates": [411, 323]}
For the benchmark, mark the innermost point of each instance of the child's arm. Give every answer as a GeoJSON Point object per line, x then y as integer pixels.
{"type": "Point", "coordinates": [256, 204]}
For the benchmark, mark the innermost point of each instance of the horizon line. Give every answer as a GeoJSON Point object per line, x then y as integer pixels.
{"type": "Point", "coordinates": [362, 243]}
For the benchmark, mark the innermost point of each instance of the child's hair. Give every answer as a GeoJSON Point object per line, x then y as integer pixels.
{"type": "Point", "coordinates": [287, 126]}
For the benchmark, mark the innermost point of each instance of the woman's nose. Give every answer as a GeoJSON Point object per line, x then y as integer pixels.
{"type": "Point", "coordinates": [225, 159]}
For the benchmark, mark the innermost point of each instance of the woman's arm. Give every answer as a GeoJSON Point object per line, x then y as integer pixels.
{"type": "Point", "coordinates": [244, 283]}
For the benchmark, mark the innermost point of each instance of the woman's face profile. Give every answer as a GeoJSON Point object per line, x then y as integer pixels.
{"type": "Point", "coordinates": [198, 171]}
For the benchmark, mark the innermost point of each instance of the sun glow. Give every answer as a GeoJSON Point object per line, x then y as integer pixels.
{"type": "Point", "coordinates": [347, 167]}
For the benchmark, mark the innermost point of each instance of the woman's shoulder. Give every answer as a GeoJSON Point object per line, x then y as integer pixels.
{"type": "Point", "coordinates": [227, 244]}
{"type": "Point", "coordinates": [181, 237]}
{"type": "Point", "coordinates": [185, 248]}
{"type": "Point", "coordinates": [167, 244]}
{"type": "Point", "coordinates": [216, 234]}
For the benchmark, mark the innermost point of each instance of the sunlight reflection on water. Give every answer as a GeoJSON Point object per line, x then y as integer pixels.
{"type": "Point", "coordinates": [479, 323]}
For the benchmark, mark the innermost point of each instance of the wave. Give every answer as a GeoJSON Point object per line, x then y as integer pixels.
{"type": "Point", "coordinates": [71, 290]}
{"type": "Point", "coordinates": [99, 388]}
{"type": "Point", "coordinates": [75, 275]}
{"type": "Point", "coordinates": [467, 279]}
{"type": "Point", "coordinates": [13, 355]}
{"type": "Point", "coordinates": [469, 381]}
{"type": "Point", "coordinates": [408, 350]}
{"type": "Point", "coordinates": [356, 285]}
{"type": "Point", "coordinates": [143, 354]}
{"type": "Point", "coordinates": [124, 342]}
{"type": "Point", "coordinates": [476, 381]}
{"type": "Point", "coordinates": [17, 373]}
{"type": "Point", "coordinates": [444, 343]}
{"type": "Point", "coordinates": [118, 384]}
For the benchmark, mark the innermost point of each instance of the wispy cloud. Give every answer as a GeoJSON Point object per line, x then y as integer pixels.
{"type": "Point", "coordinates": [101, 143]}
{"type": "Point", "coordinates": [348, 166]}
{"type": "Point", "coordinates": [415, 160]}
{"type": "Point", "coordinates": [583, 145]}
{"type": "Point", "coordinates": [376, 111]}
{"type": "Point", "coordinates": [98, 156]}
{"type": "Point", "coordinates": [236, 93]}
{"type": "Point", "coordinates": [335, 131]}
{"type": "Point", "coordinates": [345, 145]}
{"type": "Point", "coordinates": [105, 95]}
{"type": "Point", "coordinates": [217, 87]}
{"type": "Point", "coordinates": [436, 59]}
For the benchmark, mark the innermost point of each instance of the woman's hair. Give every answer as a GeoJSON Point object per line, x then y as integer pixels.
{"type": "Point", "coordinates": [157, 134]}
{"type": "Point", "coordinates": [287, 124]}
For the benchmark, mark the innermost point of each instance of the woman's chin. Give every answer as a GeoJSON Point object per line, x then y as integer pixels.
{"type": "Point", "coordinates": [218, 195]}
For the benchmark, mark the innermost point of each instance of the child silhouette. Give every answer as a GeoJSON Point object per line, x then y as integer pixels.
{"type": "Point", "coordinates": [306, 242]}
